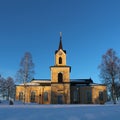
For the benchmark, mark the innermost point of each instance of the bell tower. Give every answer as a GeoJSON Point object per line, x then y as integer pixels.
{"type": "Point", "coordinates": [60, 55]}
{"type": "Point", "coordinates": [60, 77]}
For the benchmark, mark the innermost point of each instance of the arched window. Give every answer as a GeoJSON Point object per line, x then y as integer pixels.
{"type": "Point", "coordinates": [101, 95]}
{"type": "Point", "coordinates": [89, 96]}
{"type": "Point", "coordinates": [60, 99]}
{"type": "Point", "coordinates": [20, 95]}
{"type": "Point", "coordinates": [45, 96]}
{"type": "Point", "coordinates": [32, 98]}
{"type": "Point", "coordinates": [60, 60]}
{"type": "Point", "coordinates": [75, 96]}
{"type": "Point", "coordinates": [60, 77]}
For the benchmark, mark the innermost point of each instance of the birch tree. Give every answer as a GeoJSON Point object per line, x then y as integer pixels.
{"type": "Point", "coordinates": [109, 71]}
{"type": "Point", "coordinates": [26, 72]}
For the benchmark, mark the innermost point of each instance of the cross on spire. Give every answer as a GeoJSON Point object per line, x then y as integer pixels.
{"type": "Point", "coordinates": [60, 35]}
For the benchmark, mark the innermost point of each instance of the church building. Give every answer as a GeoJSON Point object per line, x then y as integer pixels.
{"type": "Point", "coordinates": [60, 89]}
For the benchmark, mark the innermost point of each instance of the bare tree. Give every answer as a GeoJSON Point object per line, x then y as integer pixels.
{"type": "Point", "coordinates": [109, 71]}
{"type": "Point", "coordinates": [117, 89]}
{"type": "Point", "coordinates": [7, 87]}
{"type": "Point", "coordinates": [10, 87]}
{"type": "Point", "coordinates": [26, 72]}
{"type": "Point", "coordinates": [2, 87]}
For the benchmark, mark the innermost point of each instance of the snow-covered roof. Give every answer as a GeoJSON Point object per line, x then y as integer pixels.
{"type": "Point", "coordinates": [97, 84]}
{"type": "Point", "coordinates": [30, 83]}
{"type": "Point", "coordinates": [40, 81]}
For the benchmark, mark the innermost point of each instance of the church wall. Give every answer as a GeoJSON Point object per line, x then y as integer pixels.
{"type": "Point", "coordinates": [96, 91]}
{"type": "Point", "coordinates": [88, 94]}
{"type": "Point", "coordinates": [62, 90]}
{"type": "Point", "coordinates": [39, 93]}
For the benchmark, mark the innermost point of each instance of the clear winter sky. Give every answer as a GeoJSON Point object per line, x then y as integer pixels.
{"type": "Point", "coordinates": [89, 28]}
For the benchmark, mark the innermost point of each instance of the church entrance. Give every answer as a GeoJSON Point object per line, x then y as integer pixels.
{"type": "Point", "coordinates": [60, 99]}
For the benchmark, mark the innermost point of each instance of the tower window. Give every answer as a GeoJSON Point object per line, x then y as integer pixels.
{"type": "Point", "coordinates": [60, 60]}
{"type": "Point", "coordinates": [60, 77]}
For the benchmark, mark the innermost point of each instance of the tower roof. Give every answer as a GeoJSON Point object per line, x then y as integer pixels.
{"type": "Point", "coordinates": [60, 44]}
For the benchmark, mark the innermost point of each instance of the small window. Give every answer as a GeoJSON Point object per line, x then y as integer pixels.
{"type": "Point", "coordinates": [60, 60]}
{"type": "Point", "coordinates": [101, 96]}
{"type": "Point", "coordinates": [45, 96]}
{"type": "Point", "coordinates": [60, 77]}
{"type": "Point", "coordinates": [20, 96]}
{"type": "Point", "coordinates": [32, 98]}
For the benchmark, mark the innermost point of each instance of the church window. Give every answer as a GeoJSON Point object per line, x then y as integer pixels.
{"type": "Point", "coordinates": [75, 96]}
{"type": "Point", "coordinates": [45, 96]}
{"type": "Point", "coordinates": [60, 60]}
{"type": "Point", "coordinates": [32, 98]}
{"type": "Point", "coordinates": [60, 77]}
{"type": "Point", "coordinates": [101, 96]}
{"type": "Point", "coordinates": [89, 97]}
{"type": "Point", "coordinates": [60, 99]}
{"type": "Point", "coordinates": [20, 95]}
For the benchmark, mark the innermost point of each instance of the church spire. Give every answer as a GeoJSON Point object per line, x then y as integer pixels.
{"type": "Point", "coordinates": [60, 44]}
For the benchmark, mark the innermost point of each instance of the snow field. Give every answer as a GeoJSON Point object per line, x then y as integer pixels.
{"type": "Point", "coordinates": [60, 112]}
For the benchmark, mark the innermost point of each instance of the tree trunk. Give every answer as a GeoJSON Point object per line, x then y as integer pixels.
{"type": "Point", "coordinates": [113, 93]}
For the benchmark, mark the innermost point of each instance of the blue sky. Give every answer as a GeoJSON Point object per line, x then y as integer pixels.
{"type": "Point", "coordinates": [89, 28]}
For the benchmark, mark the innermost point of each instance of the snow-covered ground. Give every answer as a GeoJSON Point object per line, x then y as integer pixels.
{"type": "Point", "coordinates": [59, 112]}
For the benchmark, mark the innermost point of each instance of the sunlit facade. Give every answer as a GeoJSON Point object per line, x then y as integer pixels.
{"type": "Point", "coordinates": [60, 89]}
